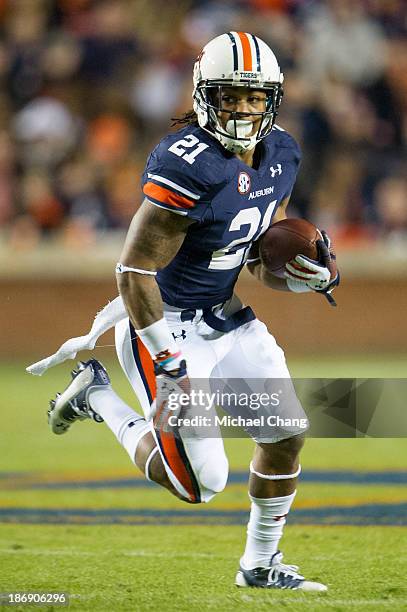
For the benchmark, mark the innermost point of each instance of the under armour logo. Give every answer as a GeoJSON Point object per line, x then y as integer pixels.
{"type": "Point", "coordinates": [182, 335]}
{"type": "Point", "coordinates": [275, 171]}
{"type": "Point", "coordinates": [132, 423]}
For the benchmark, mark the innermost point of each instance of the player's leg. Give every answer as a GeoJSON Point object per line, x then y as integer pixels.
{"type": "Point", "coordinates": [134, 433]}
{"type": "Point", "coordinates": [138, 367]}
{"type": "Point", "coordinates": [90, 395]}
{"type": "Point", "coordinates": [255, 356]}
{"type": "Point", "coordinates": [272, 488]}
{"type": "Point", "coordinates": [196, 466]}
{"type": "Point", "coordinates": [272, 491]}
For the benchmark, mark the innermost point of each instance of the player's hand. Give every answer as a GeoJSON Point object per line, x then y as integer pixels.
{"type": "Point", "coordinates": [305, 274]}
{"type": "Point", "coordinates": [331, 265]}
{"type": "Point", "coordinates": [173, 388]}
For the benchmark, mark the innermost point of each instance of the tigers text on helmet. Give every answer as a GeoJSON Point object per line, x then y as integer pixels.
{"type": "Point", "coordinates": [236, 59]}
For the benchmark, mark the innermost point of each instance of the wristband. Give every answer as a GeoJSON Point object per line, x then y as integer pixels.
{"type": "Point", "coordinates": [159, 342]}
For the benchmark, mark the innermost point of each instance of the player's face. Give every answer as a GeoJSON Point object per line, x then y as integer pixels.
{"type": "Point", "coordinates": [242, 100]}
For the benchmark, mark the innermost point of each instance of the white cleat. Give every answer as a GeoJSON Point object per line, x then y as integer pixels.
{"type": "Point", "coordinates": [277, 576]}
{"type": "Point", "coordinates": [72, 404]}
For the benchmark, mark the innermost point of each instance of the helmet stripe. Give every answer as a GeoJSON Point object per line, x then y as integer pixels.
{"type": "Point", "coordinates": [247, 52]}
{"type": "Point", "coordinates": [256, 44]}
{"type": "Point", "coordinates": [234, 48]}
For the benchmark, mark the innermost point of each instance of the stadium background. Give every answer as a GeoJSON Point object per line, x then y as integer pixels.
{"type": "Point", "coordinates": [88, 88]}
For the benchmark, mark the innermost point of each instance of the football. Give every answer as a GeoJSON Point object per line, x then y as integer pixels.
{"type": "Point", "coordinates": [286, 239]}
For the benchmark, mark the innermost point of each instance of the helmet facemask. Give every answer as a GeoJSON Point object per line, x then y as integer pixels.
{"type": "Point", "coordinates": [236, 136]}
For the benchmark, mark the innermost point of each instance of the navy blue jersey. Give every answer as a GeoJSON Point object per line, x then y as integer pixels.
{"type": "Point", "coordinates": [231, 204]}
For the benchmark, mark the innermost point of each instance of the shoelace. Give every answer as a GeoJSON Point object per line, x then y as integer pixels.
{"type": "Point", "coordinates": [281, 568]}
{"type": "Point", "coordinates": [82, 414]}
{"type": "Point", "coordinates": [89, 413]}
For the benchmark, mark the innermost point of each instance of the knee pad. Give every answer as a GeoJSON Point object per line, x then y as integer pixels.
{"type": "Point", "coordinates": [196, 467]}
{"type": "Point", "coordinates": [213, 477]}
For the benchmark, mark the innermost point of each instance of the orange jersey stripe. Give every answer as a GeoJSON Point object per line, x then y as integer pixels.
{"type": "Point", "coordinates": [148, 367]}
{"type": "Point", "coordinates": [176, 463]}
{"type": "Point", "coordinates": [166, 196]}
{"type": "Point", "coordinates": [169, 447]}
{"type": "Point", "coordinates": [247, 52]}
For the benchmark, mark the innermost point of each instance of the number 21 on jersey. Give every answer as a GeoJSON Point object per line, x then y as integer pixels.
{"type": "Point", "coordinates": [229, 257]}
{"type": "Point", "coordinates": [189, 142]}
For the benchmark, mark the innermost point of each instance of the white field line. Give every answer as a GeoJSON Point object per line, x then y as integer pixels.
{"type": "Point", "coordinates": [84, 553]}
{"type": "Point", "coordinates": [322, 601]}
{"type": "Point", "coordinates": [359, 602]}
{"type": "Point", "coordinates": [325, 601]}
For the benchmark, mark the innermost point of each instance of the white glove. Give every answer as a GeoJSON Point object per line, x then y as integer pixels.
{"type": "Point", "coordinates": [305, 274]}
{"type": "Point", "coordinates": [170, 386]}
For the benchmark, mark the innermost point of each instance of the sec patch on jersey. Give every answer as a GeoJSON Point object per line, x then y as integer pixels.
{"type": "Point", "coordinates": [243, 183]}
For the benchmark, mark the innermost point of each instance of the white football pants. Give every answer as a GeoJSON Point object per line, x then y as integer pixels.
{"type": "Point", "coordinates": [197, 465]}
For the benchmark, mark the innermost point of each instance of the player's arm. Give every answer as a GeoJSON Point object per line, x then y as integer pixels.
{"type": "Point", "coordinates": [302, 274]}
{"type": "Point", "coordinates": [153, 239]}
{"type": "Point", "coordinates": [254, 264]}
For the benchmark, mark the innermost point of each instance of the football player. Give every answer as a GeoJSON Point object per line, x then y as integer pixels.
{"type": "Point", "coordinates": [211, 190]}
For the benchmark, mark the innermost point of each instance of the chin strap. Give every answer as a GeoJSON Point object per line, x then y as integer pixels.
{"type": "Point", "coordinates": [239, 128]}
{"type": "Point", "coordinates": [237, 146]}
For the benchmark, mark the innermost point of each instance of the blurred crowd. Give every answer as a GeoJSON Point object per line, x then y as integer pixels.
{"type": "Point", "coordinates": [90, 86]}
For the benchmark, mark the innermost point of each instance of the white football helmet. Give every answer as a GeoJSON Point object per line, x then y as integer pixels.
{"type": "Point", "coordinates": [236, 59]}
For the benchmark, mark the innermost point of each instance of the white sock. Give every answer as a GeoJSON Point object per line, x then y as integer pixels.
{"type": "Point", "coordinates": [128, 426]}
{"type": "Point", "coordinates": [265, 528]}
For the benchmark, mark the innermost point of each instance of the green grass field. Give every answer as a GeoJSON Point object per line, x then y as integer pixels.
{"type": "Point", "coordinates": [148, 563]}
